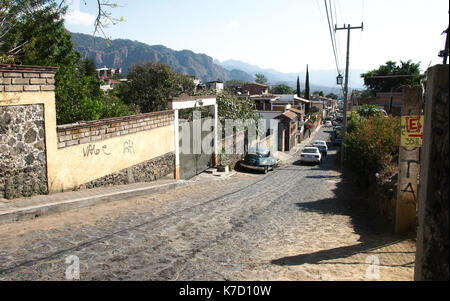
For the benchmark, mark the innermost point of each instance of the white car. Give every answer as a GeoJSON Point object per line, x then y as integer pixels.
{"type": "Point", "coordinates": [311, 155]}
{"type": "Point", "coordinates": [321, 145]}
{"type": "Point", "coordinates": [328, 124]}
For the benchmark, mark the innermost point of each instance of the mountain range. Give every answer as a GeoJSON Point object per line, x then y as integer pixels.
{"type": "Point", "coordinates": [121, 53]}
{"type": "Point", "coordinates": [320, 79]}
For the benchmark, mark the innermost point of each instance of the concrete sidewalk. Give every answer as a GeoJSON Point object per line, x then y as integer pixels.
{"type": "Point", "coordinates": [35, 206]}
{"type": "Point", "coordinates": [41, 205]}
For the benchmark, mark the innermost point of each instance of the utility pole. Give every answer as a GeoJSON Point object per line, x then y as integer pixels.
{"type": "Point", "coordinates": [347, 71]}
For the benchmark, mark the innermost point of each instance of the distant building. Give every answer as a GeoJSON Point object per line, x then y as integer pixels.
{"type": "Point", "coordinates": [255, 89]}
{"type": "Point", "coordinates": [108, 72]}
{"type": "Point", "coordinates": [110, 84]}
{"type": "Point", "coordinates": [390, 102]}
{"type": "Point", "coordinates": [197, 82]}
{"type": "Point", "coordinates": [217, 86]}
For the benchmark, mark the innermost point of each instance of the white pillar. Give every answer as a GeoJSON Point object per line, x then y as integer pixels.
{"type": "Point", "coordinates": [177, 146]}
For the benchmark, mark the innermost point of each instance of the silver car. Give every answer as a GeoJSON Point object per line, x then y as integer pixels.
{"type": "Point", "coordinates": [321, 145]}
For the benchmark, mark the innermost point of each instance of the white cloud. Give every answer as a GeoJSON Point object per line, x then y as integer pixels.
{"type": "Point", "coordinates": [76, 17]}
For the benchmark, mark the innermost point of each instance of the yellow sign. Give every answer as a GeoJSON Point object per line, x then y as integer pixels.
{"type": "Point", "coordinates": [412, 131]}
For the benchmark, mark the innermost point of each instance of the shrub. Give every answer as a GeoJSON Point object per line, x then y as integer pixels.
{"type": "Point", "coordinates": [369, 143]}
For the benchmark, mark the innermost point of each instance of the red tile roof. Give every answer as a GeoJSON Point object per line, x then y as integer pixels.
{"type": "Point", "coordinates": [288, 114]}
{"type": "Point", "coordinates": [295, 110]}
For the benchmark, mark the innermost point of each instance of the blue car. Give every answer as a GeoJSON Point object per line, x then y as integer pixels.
{"type": "Point", "coordinates": [258, 159]}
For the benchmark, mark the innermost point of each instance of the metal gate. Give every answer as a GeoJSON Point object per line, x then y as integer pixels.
{"type": "Point", "coordinates": [193, 164]}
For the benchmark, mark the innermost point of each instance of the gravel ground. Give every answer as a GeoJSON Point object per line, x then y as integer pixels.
{"type": "Point", "coordinates": [296, 223]}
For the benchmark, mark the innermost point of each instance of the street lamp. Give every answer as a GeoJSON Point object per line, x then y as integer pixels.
{"type": "Point", "coordinates": [340, 79]}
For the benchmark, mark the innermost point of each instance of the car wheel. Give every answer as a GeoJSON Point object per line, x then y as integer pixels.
{"type": "Point", "coordinates": [266, 171]}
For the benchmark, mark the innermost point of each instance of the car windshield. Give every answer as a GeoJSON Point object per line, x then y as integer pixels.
{"type": "Point", "coordinates": [319, 143]}
{"type": "Point", "coordinates": [310, 151]}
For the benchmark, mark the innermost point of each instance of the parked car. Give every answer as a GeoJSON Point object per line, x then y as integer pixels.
{"type": "Point", "coordinates": [311, 155]}
{"type": "Point", "coordinates": [321, 145]}
{"type": "Point", "coordinates": [258, 159]}
{"type": "Point", "coordinates": [337, 138]}
{"type": "Point", "coordinates": [328, 124]}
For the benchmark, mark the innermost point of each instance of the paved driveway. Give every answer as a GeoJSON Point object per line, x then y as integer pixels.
{"type": "Point", "coordinates": [297, 223]}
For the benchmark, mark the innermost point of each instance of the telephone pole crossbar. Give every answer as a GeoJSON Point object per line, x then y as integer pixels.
{"type": "Point", "coordinates": [347, 71]}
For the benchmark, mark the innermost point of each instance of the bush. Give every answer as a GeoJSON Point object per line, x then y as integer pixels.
{"type": "Point", "coordinates": [368, 145]}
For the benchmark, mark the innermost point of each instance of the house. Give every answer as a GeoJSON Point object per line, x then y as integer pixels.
{"type": "Point", "coordinates": [264, 102]}
{"type": "Point", "coordinates": [287, 130]}
{"type": "Point", "coordinates": [199, 86]}
{"type": "Point", "coordinates": [293, 101]}
{"type": "Point", "coordinates": [217, 86]}
{"type": "Point", "coordinates": [110, 84]}
{"type": "Point", "coordinates": [108, 72]}
{"type": "Point", "coordinates": [255, 89]}
{"type": "Point", "coordinates": [391, 102]}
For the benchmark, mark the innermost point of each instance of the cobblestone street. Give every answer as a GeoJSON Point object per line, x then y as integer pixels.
{"type": "Point", "coordinates": [296, 223]}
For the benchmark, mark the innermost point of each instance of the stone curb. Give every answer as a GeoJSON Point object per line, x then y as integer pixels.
{"type": "Point", "coordinates": [33, 212]}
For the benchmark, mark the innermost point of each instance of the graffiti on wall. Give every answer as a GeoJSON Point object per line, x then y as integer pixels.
{"type": "Point", "coordinates": [93, 150]}
{"type": "Point", "coordinates": [128, 147]}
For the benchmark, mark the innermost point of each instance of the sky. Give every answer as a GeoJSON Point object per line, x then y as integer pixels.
{"type": "Point", "coordinates": [284, 35]}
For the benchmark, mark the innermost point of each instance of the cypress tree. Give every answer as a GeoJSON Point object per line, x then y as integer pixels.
{"type": "Point", "coordinates": [307, 90]}
{"type": "Point", "coordinates": [298, 87]}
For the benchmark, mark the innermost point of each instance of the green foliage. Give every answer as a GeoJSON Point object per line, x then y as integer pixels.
{"type": "Point", "coordinates": [368, 143]}
{"type": "Point", "coordinates": [299, 90]}
{"type": "Point", "coordinates": [152, 84]}
{"type": "Point", "coordinates": [282, 89]}
{"type": "Point", "coordinates": [235, 83]}
{"type": "Point", "coordinates": [230, 107]}
{"type": "Point", "coordinates": [307, 88]}
{"type": "Point", "coordinates": [367, 111]}
{"type": "Point", "coordinates": [39, 26]}
{"type": "Point", "coordinates": [79, 98]}
{"type": "Point", "coordinates": [320, 93]}
{"type": "Point", "coordinates": [392, 84]}
{"type": "Point", "coordinates": [261, 79]}
{"type": "Point", "coordinates": [332, 96]}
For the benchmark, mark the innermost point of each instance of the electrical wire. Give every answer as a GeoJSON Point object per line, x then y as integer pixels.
{"type": "Point", "coordinates": [332, 38]}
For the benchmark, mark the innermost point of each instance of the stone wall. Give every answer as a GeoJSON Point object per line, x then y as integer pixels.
{"type": "Point", "coordinates": [149, 171]}
{"type": "Point", "coordinates": [23, 166]}
{"type": "Point", "coordinates": [93, 131]}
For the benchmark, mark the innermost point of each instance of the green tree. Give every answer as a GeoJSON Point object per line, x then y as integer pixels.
{"type": "Point", "coordinates": [391, 77]}
{"type": "Point", "coordinates": [233, 108]}
{"type": "Point", "coordinates": [152, 84]}
{"type": "Point", "coordinates": [39, 29]}
{"type": "Point", "coordinates": [299, 90]}
{"type": "Point", "coordinates": [282, 89]}
{"type": "Point", "coordinates": [235, 83]}
{"type": "Point", "coordinates": [368, 111]}
{"type": "Point", "coordinates": [332, 96]}
{"type": "Point", "coordinates": [307, 89]}
{"type": "Point", "coordinates": [320, 93]}
{"type": "Point", "coordinates": [261, 79]}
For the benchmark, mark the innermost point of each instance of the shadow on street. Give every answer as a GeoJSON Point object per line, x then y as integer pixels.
{"type": "Point", "coordinates": [374, 231]}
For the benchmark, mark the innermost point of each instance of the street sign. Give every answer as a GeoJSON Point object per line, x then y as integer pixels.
{"type": "Point", "coordinates": [412, 131]}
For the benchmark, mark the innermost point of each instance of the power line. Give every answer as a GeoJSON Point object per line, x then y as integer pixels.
{"type": "Point", "coordinates": [332, 39]}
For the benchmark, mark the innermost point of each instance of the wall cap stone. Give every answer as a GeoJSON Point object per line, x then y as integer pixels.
{"type": "Point", "coordinates": [27, 68]}
{"type": "Point", "coordinates": [102, 122]}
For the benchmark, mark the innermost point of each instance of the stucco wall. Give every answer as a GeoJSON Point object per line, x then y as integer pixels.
{"type": "Point", "coordinates": [80, 164]}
